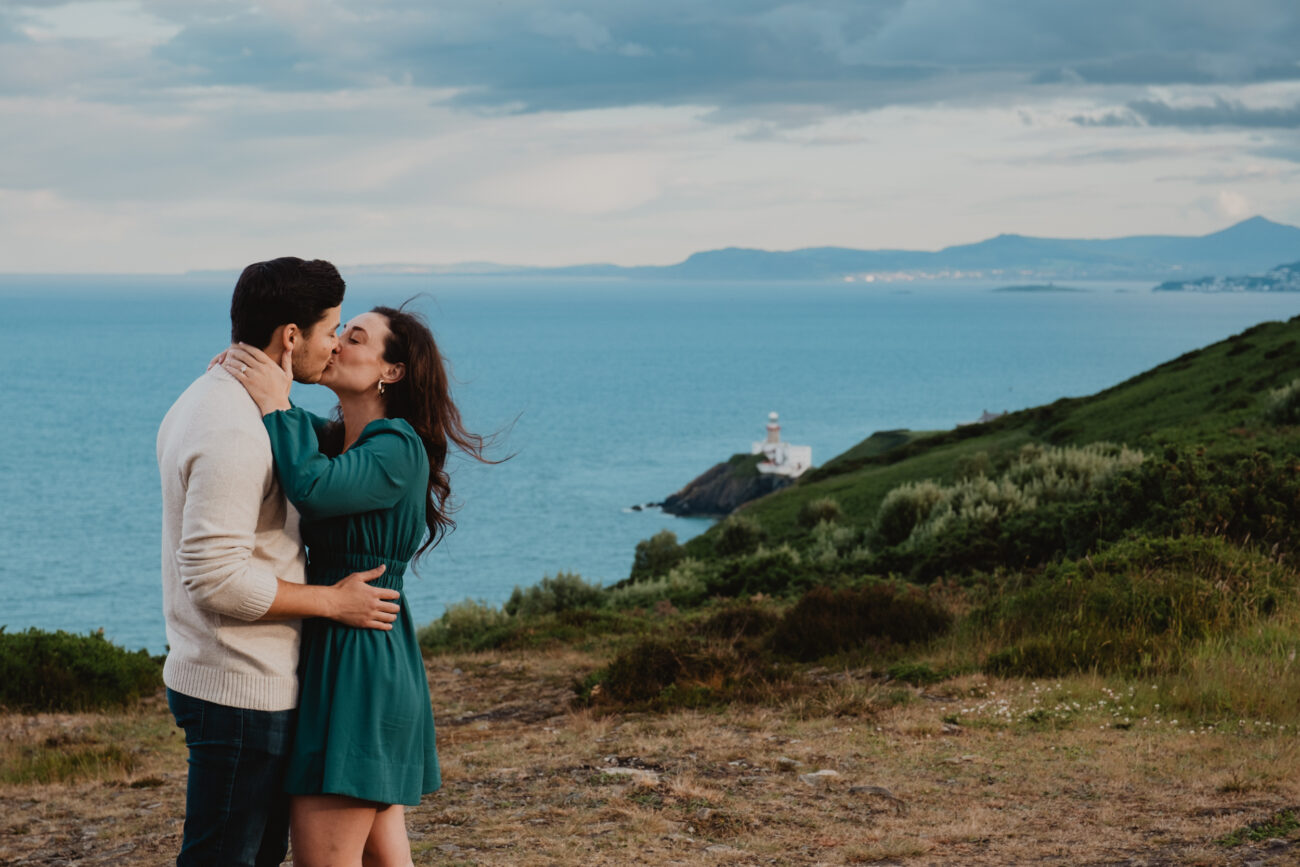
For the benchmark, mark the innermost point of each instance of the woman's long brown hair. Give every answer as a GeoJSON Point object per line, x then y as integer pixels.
{"type": "Point", "coordinates": [423, 398]}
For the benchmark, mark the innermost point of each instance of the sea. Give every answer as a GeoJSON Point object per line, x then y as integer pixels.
{"type": "Point", "coordinates": [602, 395]}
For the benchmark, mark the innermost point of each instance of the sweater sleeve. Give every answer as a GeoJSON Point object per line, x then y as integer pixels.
{"type": "Point", "coordinates": [219, 528]}
{"type": "Point", "coordinates": [373, 474]}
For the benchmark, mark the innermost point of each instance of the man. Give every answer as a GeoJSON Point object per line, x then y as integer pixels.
{"type": "Point", "coordinates": [233, 574]}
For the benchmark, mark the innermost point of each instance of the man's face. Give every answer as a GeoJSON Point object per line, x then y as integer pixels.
{"type": "Point", "coordinates": [312, 350]}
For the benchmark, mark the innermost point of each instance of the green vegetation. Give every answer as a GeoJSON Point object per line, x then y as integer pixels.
{"type": "Point", "coordinates": [60, 671]}
{"type": "Point", "coordinates": [57, 762]}
{"type": "Point", "coordinates": [815, 512]}
{"type": "Point", "coordinates": [565, 592]}
{"type": "Point", "coordinates": [1137, 607]}
{"type": "Point", "coordinates": [825, 622]}
{"type": "Point", "coordinates": [656, 556]}
{"type": "Point", "coordinates": [738, 536]}
{"type": "Point", "coordinates": [745, 466]}
{"type": "Point", "coordinates": [1146, 532]}
{"type": "Point", "coordinates": [1280, 824]}
{"type": "Point", "coordinates": [1284, 404]}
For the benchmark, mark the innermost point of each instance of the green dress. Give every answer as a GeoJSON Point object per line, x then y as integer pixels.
{"type": "Point", "coordinates": [365, 722]}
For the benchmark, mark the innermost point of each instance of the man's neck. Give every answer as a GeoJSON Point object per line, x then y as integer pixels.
{"type": "Point", "coordinates": [275, 352]}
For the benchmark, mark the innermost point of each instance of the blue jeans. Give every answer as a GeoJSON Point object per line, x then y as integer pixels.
{"type": "Point", "coordinates": [236, 811]}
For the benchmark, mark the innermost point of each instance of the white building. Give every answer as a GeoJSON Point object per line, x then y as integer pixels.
{"type": "Point", "coordinates": [783, 459]}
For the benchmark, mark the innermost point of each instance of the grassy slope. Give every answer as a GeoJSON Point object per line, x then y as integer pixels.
{"type": "Point", "coordinates": [1211, 397]}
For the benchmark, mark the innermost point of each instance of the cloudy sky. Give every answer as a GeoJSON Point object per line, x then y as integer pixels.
{"type": "Point", "coordinates": [164, 135]}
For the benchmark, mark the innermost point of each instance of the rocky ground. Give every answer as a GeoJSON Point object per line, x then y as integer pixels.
{"type": "Point", "coordinates": [855, 771]}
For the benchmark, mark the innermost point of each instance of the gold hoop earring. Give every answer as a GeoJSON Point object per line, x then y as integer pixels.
{"type": "Point", "coordinates": [381, 388]}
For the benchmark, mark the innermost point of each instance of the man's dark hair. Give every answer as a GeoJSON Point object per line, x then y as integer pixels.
{"type": "Point", "coordinates": [279, 292]}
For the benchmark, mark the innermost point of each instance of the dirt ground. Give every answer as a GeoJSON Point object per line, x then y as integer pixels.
{"type": "Point", "coordinates": [966, 772]}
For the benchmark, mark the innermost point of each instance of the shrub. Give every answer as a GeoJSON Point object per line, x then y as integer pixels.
{"type": "Point", "coordinates": [739, 535]}
{"type": "Point", "coordinates": [825, 621]}
{"type": "Point", "coordinates": [904, 508]}
{"type": "Point", "coordinates": [1136, 607]}
{"type": "Point", "coordinates": [780, 571]}
{"type": "Point", "coordinates": [60, 671]}
{"type": "Point", "coordinates": [833, 546]}
{"type": "Point", "coordinates": [564, 592]}
{"type": "Point", "coordinates": [660, 675]}
{"type": "Point", "coordinates": [919, 513]}
{"type": "Point", "coordinates": [642, 671]}
{"type": "Point", "coordinates": [467, 625]}
{"type": "Point", "coordinates": [684, 586]}
{"type": "Point", "coordinates": [814, 512]}
{"type": "Point", "coordinates": [569, 627]}
{"type": "Point", "coordinates": [973, 466]}
{"type": "Point", "coordinates": [1284, 404]}
{"type": "Point", "coordinates": [739, 620]}
{"type": "Point", "coordinates": [1048, 475]}
{"type": "Point", "coordinates": [656, 556]}
{"type": "Point", "coordinates": [915, 673]}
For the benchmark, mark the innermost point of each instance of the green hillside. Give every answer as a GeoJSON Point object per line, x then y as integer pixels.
{"type": "Point", "coordinates": [1211, 398]}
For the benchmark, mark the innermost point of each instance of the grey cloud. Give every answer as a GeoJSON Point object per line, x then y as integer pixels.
{"type": "Point", "coordinates": [733, 55]}
{"type": "Point", "coordinates": [1107, 156]}
{"type": "Point", "coordinates": [1221, 112]}
{"type": "Point", "coordinates": [1110, 118]}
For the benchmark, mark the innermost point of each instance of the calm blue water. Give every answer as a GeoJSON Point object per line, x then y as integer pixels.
{"type": "Point", "coordinates": [622, 391]}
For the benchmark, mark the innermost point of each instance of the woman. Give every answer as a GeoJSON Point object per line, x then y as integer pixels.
{"type": "Point", "coordinates": [371, 489]}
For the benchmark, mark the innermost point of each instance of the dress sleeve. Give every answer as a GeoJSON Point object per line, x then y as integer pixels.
{"type": "Point", "coordinates": [373, 474]}
{"type": "Point", "coordinates": [318, 422]}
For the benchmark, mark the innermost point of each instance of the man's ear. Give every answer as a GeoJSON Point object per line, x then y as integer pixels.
{"type": "Point", "coordinates": [394, 372]}
{"type": "Point", "coordinates": [289, 337]}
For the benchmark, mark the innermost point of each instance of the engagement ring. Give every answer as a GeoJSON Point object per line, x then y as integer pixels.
{"type": "Point", "coordinates": [243, 368]}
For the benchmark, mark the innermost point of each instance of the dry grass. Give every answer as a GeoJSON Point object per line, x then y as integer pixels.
{"type": "Point", "coordinates": [989, 772]}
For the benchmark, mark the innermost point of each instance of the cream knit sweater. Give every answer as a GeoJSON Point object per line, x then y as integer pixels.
{"type": "Point", "coordinates": [227, 534]}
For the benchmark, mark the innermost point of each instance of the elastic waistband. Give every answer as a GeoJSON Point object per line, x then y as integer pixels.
{"type": "Point", "coordinates": [349, 562]}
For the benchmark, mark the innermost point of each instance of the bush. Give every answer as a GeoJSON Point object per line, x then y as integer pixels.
{"type": "Point", "coordinates": [467, 625]}
{"type": "Point", "coordinates": [564, 592]}
{"type": "Point", "coordinates": [1137, 607]}
{"type": "Point", "coordinates": [60, 671]}
{"type": "Point", "coordinates": [740, 535]}
{"type": "Point", "coordinates": [919, 514]}
{"type": "Point", "coordinates": [739, 620]}
{"type": "Point", "coordinates": [659, 675]}
{"type": "Point", "coordinates": [780, 571]}
{"type": "Point", "coordinates": [1048, 475]}
{"type": "Point", "coordinates": [642, 671]}
{"type": "Point", "coordinates": [825, 621]}
{"type": "Point", "coordinates": [904, 508]}
{"type": "Point", "coordinates": [684, 586]}
{"type": "Point", "coordinates": [834, 546]}
{"type": "Point", "coordinates": [915, 673]}
{"type": "Point", "coordinates": [1284, 404]}
{"type": "Point", "coordinates": [656, 556]}
{"type": "Point", "coordinates": [814, 512]}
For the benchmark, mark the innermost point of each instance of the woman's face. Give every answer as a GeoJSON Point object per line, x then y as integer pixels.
{"type": "Point", "coordinates": [358, 364]}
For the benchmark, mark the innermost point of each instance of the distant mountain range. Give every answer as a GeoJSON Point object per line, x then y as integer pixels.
{"type": "Point", "coordinates": [1251, 246]}
{"type": "Point", "coordinates": [1283, 278]}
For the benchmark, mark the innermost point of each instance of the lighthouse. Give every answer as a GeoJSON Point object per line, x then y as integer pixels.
{"type": "Point", "coordinates": [782, 459]}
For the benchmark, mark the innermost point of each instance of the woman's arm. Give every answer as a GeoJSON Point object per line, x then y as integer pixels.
{"type": "Point", "coordinates": [373, 474]}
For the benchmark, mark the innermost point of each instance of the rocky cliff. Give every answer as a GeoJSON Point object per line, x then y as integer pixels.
{"type": "Point", "coordinates": [723, 487]}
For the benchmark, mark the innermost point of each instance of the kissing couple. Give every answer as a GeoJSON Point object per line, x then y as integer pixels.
{"type": "Point", "coordinates": [293, 664]}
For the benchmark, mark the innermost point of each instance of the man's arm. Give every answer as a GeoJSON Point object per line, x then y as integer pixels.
{"type": "Point", "coordinates": [215, 558]}
{"type": "Point", "coordinates": [351, 601]}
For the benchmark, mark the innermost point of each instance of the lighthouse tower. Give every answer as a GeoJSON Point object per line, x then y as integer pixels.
{"type": "Point", "coordinates": [782, 459]}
